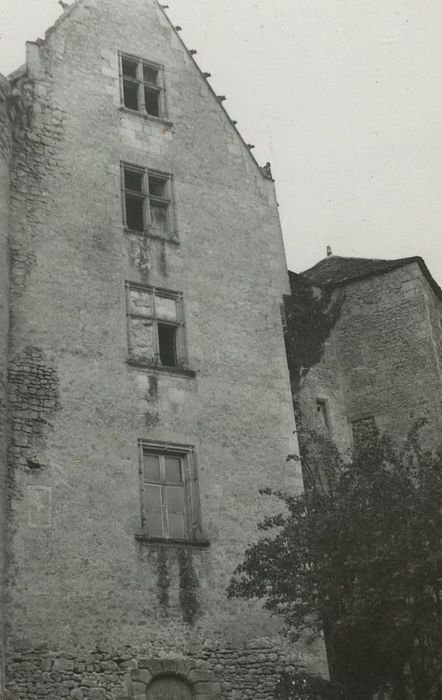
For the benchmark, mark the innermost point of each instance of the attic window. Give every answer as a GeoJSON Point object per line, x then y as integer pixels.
{"type": "Point", "coordinates": [142, 86]}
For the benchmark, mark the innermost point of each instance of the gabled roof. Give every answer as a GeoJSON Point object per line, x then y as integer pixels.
{"type": "Point", "coordinates": [337, 271]}
{"type": "Point", "coordinates": [68, 9]}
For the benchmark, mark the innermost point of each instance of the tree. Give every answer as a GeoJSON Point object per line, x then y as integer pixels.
{"type": "Point", "coordinates": [361, 559]}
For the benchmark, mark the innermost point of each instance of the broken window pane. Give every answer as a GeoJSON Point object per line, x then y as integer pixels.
{"type": "Point", "coordinates": [141, 302]}
{"type": "Point", "coordinates": [133, 180]}
{"type": "Point", "coordinates": [130, 92]}
{"type": "Point", "coordinates": [150, 75]}
{"type": "Point", "coordinates": [129, 67]}
{"type": "Point", "coordinates": [142, 340]}
{"type": "Point", "coordinates": [157, 186]}
{"type": "Point", "coordinates": [152, 101]}
{"type": "Point", "coordinates": [165, 308]}
{"type": "Point", "coordinates": [134, 212]}
{"type": "Point", "coordinates": [167, 345]}
{"type": "Point", "coordinates": [151, 467]}
{"type": "Point", "coordinates": [173, 469]}
{"type": "Point", "coordinates": [159, 217]}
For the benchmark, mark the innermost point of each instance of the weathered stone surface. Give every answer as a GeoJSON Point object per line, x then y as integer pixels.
{"type": "Point", "coordinates": [80, 582]}
{"type": "Point", "coordinates": [382, 360]}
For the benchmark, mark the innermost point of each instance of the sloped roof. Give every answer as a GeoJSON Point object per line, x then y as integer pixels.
{"type": "Point", "coordinates": [69, 8]}
{"type": "Point", "coordinates": [336, 271]}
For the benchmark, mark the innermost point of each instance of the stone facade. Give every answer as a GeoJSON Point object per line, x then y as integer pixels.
{"type": "Point", "coordinates": [382, 359]}
{"type": "Point", "coordinates": [96, 607]}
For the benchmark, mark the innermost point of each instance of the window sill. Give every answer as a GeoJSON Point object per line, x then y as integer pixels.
{"type": "Point", "coordinates": [158, 368]}
{"type": "Point", "coordinates": [148, 233]}
{"type": "Point", "coordinates": [201, 543]}
{"type": "Point", "coordinates": [148, 117]}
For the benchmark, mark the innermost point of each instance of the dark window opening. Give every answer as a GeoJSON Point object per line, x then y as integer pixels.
{"type": "Point", "coordinates": [152, 102]}
{"type": "Point", "coordinates": [321, 409]}
{"type": "Point", "coordinates": [130, 95]}
{"type": "Point", "coordinates": [134, 213]}
{"type": "Point", "coordinates": [167, 345]}
{"type": "Point", "coordinates": [133, 180]}
{"type": "Point", "coordinates": [147, 200]}
{"type": "Point", "coordinates": [143, 86]}
{"type": "Point", "coordinates": [129, 68]}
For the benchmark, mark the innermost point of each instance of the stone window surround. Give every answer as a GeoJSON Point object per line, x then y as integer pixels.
{"type": "Point", "coordinates": [146, 197]}
{"type": "Point", "coordinates": [180, 366]}
{"type": "Point", "coordinates": [202, 681]}
{"type": "Point", "coordinates": [194, 533]}
{"type": "Point", "coordinates": [158, 86]}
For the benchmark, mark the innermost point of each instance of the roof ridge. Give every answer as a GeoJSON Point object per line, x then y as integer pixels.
{"type": "Point", "coordinates": [326, 274]}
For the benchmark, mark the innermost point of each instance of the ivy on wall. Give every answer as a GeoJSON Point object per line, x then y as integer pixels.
{"type": "Point", "coordinates": [309, 316]}
{"type": "Point", "coordinates": [188, 586]}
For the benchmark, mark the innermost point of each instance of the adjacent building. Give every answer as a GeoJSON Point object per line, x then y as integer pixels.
{"type": "Point", "coordinates": [380, 362]}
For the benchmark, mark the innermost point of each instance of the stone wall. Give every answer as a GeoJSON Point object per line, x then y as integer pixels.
{"type": "Point", "coordinates": [80, 575]}
{"type": "Point", "coordinates": [382, 358]}
{"type": "Point", "coordinates": [7, 117]}
{"type": "Point", "coordinates": [105, 673]}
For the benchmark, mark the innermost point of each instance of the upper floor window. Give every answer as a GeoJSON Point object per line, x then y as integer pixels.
{"type": "Point", "coordinates": [146, 200]}
{"type": "Point", "coordinates": [155, 326]}
{"type": "Point", "coordinates": [142, 86]}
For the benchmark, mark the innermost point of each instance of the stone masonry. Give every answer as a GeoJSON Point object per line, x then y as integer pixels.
{"type": "Point", "coordinates": [96, 606]}
{"type": "Point", "coordinates": [382, 359]}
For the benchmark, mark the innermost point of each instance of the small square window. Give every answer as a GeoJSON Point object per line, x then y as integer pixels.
{"type": "Point", "coordinates": [146, 200]}
{"type": "Point", "coordinates": [156, 331]}
{"type": "Point", "coordinates": [364, 430]}
{"type": "Point", "coordinates": [169, 497]}
{"type": "Point", "coordinates": [142, 86]}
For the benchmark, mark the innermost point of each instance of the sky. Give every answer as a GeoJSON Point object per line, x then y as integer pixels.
{"type": "Point", "coordinates": [343, 97]}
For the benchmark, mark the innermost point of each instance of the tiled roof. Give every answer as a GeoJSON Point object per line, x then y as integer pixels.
{"type": "Point", "coordinates": [335, 271]}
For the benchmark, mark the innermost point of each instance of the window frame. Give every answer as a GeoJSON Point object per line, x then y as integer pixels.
{"type": "Point", "coordinates": [363, 429]}
{"type": "Point", "coordinates": [142, 84]}
{"type": "Point", "coordinates": [322, 409]}
{"type": "Point", "coordinates": [193, 533]}
{"type": "Point", "coordinates": [147, 199]}
{"type": "Point", "coordinates": [179, 325]}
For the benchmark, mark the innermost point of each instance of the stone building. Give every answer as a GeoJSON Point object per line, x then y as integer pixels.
{"type": "Point", "coordinates": [378, 363]}
{"type": "Point", "coordinates": [148, 396]}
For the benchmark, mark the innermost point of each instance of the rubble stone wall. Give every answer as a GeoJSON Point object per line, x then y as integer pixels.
{"type": "Point", "coordinates": [79, 576]}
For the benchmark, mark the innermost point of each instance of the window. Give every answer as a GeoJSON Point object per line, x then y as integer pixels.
{"type": "Point", "coordinates": [142, 86]}
{"type": "Point", "coordinates": [146, 200]}
{"type": "Point", "coordinates": [322, 412]}
{"type": "Point", "coordinates": [364, 430]}
{"type": "Point", "coordinates": [169, 499]}
{"type": "Point", "coordinates": [155, 322]}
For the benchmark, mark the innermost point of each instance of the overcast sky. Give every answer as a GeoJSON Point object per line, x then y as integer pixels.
{"type": "Point", "coordinates": [343, 97]}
